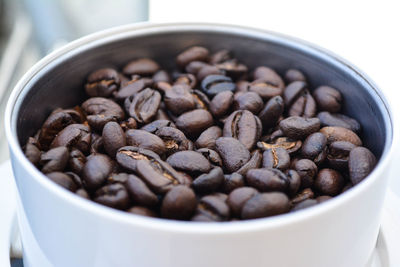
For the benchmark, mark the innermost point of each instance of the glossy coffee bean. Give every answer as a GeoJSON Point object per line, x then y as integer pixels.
{"type": "Point", "coordinates": [194, 122]}
{"type": "Point", "coordinates": [233, 153]}
{"type": "Point", "coordinates": [130, 123]}
{"type": "Point", "coordinates": [128, 156]}
{"type": "Point", "coordinates": [265, 88]}
{"type": "Point", "coordinates": [101, 110]}
{"type": "Point", "coordinates": [194, 53]}
{"type": "Point", "coordinates": [302, 196]}
{"type": "Point", "coordinates": [291, 146]}
{"type": "Point", "coordinates": [209, 182]}
{"type": "Point", "coordinates": [266, 180]}
{"type": "Point", "coordinates": [294, 182]}
{"type": "Point", "coordinates": [96, 170]}
{"type": "Point", "coordinates": [179, 203]}
{"type": "Point", "coordinates": [142, 67]}
{"type": "Point", "coordinates": [338, 155]}
{"type": "Point", "coordinates": [276, 158]}
{"type": "Point", "coordinates": [238, 197]}
{"type": "Point", "coordinates": [221, 103]}
{"type": "Point", "coordinates": [156, 125]}
{"type": "Point", "coordinates": [211, 155]}
{"type": "Point", "coordinates": [271, 112]}
{"type": "Point", "coordinates": [139, 192]}
{"type": "Point", "coordinates": [361, 163]}
{"type": "Point", "coordinates": [186, 79]}
{"type": "Point", "coordinates": [314, 147]}
{"type": "Point", "coordinates": [195, 66]}
{"type": "Point", "coordinates": [161, 76]}
{"type": "Point", "coordinates": [304, 204]}
{"type": "Point", "coordinates": [178, 99]}
{"type": "Point", "coordinates": [201, 100]}
{"type": "Point", "coordinates": [293, 75]}
{"type": "Point", "coordinates": [102, 82]}
{"type": "Point", "coordinates": [130, 88]}
{"type": "Point", "coordinates": [32, 151]}
{"type": "Point", "coordinates": [232, 68]}
{"type": "Point", "coordinates": [142, 211]}
{"type": "Point", "coordinates": [307, 171]}
{"type": "Point", "coordinates": [208, 70]}
{"type": "Point", "coordinates": [268, 75]}
{"type": "Point", "coordinates": [54, 160]}
{"type": "Point", "coordinates": [212, 208]}
{"type": "Point", "coordinates": [113, 138]}
{"type": "Point", "coordinates": [57, 121]}
{"type": "Point", "coordinates": [145, 140]}
{"type": "Point", "coordinates": [232, 181]}
{"type": "Point", "coordinates": [336, 133]}
{"type": "Point", "coordinates": [174, 140]}
{"type": "Point", "coordinates": [189, 161]}
{"type": "Point", "coordinates": [76, 161]}
{"type": "Point", "coordinates": [329, 182]}
{"type": "Point", "coordinates": [82, 193]}
{"type": "Point", "coordinates": [265, 205]}
{"type": "Point", "coordinates": [214, 84]}
{"type": "Point", "coordinates": [144, 105]}
{"type": "Point", "coordinates": [253, 163]}
{"type": "Point", "coordinates": [328, 99]}
{"type": "Point", "coordinates": [63, 180]}
{"type": "Point", "coordinates": [298, 100]}
{"type": "Point", "coordinates": [248, 101]}
{"type": "Point", "coordinates": [208, 137]}
{"type": "Point", "coordinates": [296, 127]}
{"type": "Point", "coordinates": [337, 119]}
{"type": "Point", "coordinates": [73, 136]}
{"type": "Point", "coordinates": [113, 195]}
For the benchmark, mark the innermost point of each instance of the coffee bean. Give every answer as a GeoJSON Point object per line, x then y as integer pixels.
{"type": "Point", "coordinates": [213, 209]}
{"type": "Point", "coordinates": [268, 75]}
{"type": "Point", "coordinates": [130, 123]}
{"type": "Point", "coordinates": [232, 68]}
{"type": "Point", "coordinates": [302, 196]}
{"type": "Point", "coordinates": [337, 119]}
{"type": "Point", "coordinates": [96, 144]}
{"type": "Point", "coordinates": [208, 70]}
{"type": "Point", "coordinates": [101, 110]}
{"type": "Point", "coordinates": [74, 135]}
{"type": "Point", "coordinates": [76, 161]}
{"type": "Point", "coordinates": [329, 182]}
{"type": "Point", "coordinates": [293, 75]}
{"type": "Point", "coordinates": [233, 153]}
{"type": "Point", "coordinates": [96, 170]}
{"type": "Point", "coordinates": [244, 126]}
{"type": "Point", "coordinates": [238, 197]}
{"type": "Point", "coordinates": [145, 140]}
{"type": "Point", "coordinates": [340, 134]}
{"type": "Point", "coordinates": [102, 82]}
{"type": "Point", "coordinates": [113, 195]}
{"type": "Point", "coordinates": [143, 211]}
{"type": "Point", "coordinates": [118, 178]}
{"type": "Point", "coordinates": [214, 84]}
{"type": "Point", "coordinates": [338, 155]}
{"type": "Point", "coordinates": [52, 126]}
{"type": "Point", "coordinates": [82, 193]}
{"type": "Point", "coordinates": [271, 112]}
{"type": "Point", "coordinates": [291, 146]}
{"type": "Point", "coordinates": [242, 86]}
{"type": "Point", "coordinates": [54, 160]}
{"type": "Point", "coordinates": [142, 67]}
{"type": "Point", "coordinates": [179, 203]}
{"type": "Point", "coordinates": [264, 205]}
{"type": "Point", "coordinates": [201, 100]}
{"type": "Point", "coordinates": [128, 156]}
{"type": "Point", "coordinates": [208, 137]}
{"type": "Point", "coordinates": [174, 140]}
{"type": "Point", "coordinates": [221, 103]}
{"type": "Point", "coordinates": [299, 101]}
{"type": "Point", "coordinates": [113, 138]}
{"type": "Point", "coordinates": [305, 204]}
{"type": "Point", "coordinates": [209, 182]}
{"type": "Point", "coordinates": [248, 101]}
{"type": "Point", "coordinates": [232, 181]}
{"type": "Point", "coordinates": [186, 79]}
{"type": "Point", "coordinates": [328, 99]}
{"type": "Point", "coordinates": [314, 148]}
{"type": "Point", "coordinates": [265, 89]}
{"type": "Point", "coordinates": [156, 125]}
{"type": "Point", "coordinates": [307, 171]}
{"type": "Point", "coordinates": [211, 155]}
{"type": "Point", "coordinates": [139, 192]}
{"type": "Point", "coordinates": [192, 123]}
{"type": "Point", "coordinates": [276, 158]}
{"type": "Point", "coordinates": [321, 199]}
{"type": "Point", "coordinates": [189, 161]}
{"type": "Point", "coordinates": [63, 180]}
{"type": "Point", "coordinates": [195, 66]}
{"type": "Point", "coordinates": [220, 56]}
{"type": "Point", "coordinates": [361, 163]}
{"type": "Point", "coordinates": [130, 88]}
{"type": "Point", "coordinates": [179, 99]}
{"type": "Point", "coordinates": [294, 182]}
{"type": "Point", "coordinates": [253, 163]}
{"type": "Point", "coordinates": [161, 76]}
{"type": "Point", "coordinates": [194, 53]}
{"type": "Point", "coordinates": [296, 127]}
{"type": "Point", "coordinates": [144, 105]}
{"type": "Point", "coordinates": [266, 180]}
{"type": "Point", "coordinates": [32, 151]}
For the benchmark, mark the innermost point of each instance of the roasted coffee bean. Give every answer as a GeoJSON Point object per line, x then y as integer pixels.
{"type": "Point", "coordinates": [233, 153]}
{"type": "Point", "coordinates": [298, 100]}
{"type": "Point", "coordinates": [242, 86]}
{"type": "Point", "coordinates": [361, 163]}
{"type": "Point", "coordinates": [189, 161]}
{"type": "Point", "coordinates": [62, 179]}
{"type": "Point", "coordinates": [328, 99]}
{"type": "Point", "coordinates": [96, 170]}
{"type": "Point", "coordinates": [102, 82]}
{"type": "Point", "coordinates": [208, 70]}
{"type": "Point", "coordinates": [314, 148]}
{"type": "Point", "coordinates": [52, 126]}
{"type": "Point", "coordinates": [321, 199]}
{"type": "Point", "coordinates": [253, 163]}
{"type": "Point", "coordinates": [118, 178]}
{"type": "Point", "coordinates": [130, 123]}
{"type": "Point", "coordinates": [340, 134]}
{"type": "Point", "coordinates": [214, 84]}
{"type": "Point", "coordinates": [201, 100]}
{"type": "Point", "coordinates": [174, 140]}
{"type": "Point", "coordinates": [113, 138]}
{"type": "Point", "coordinates": [158, 175]}
{"type": "Point", "coordinates": [179, 203]}
{"type": "Point", "coordinates": [54, 160]}
{"type": "Point", "coordinates": [209, 182]}
{"type": "Point", "coordinates": [238, 197]}
{"type": "Point", "coordinates": [76, 178]}
{"type": "Point", "coordinates": [156, 125]}
{"type": "Point", "coordinates": [179, 99]}
{"type": "Point", "coordinates": [264, 205]}
{"type": "Point", "coordinates": [220, 56]}
{"type": "Point", "coordinates": [142, 67]}
{"type": "Point", "coordinates": [194, 53]}
{"type": "Point", "coordinates": [304, 204]}
{"type": "Point", "coordinates": [266, 180]}
{"type": "Point", "coordinates": [144, 105]}
{"type": "Point", "coordinates": [232, 68]}
{"type": "Point", "coordinates": [338, 155]}
{"type": "Point", "coordinates": [329, 182]}
{"type": "Point", "coordinates": [297, 128]}
{"type": "Point", "coordinates": [146, 140]}
{"type": "Point", "coordinates": [76, 161]}
{"type": "Point", "coordinates": [276, 158]}
{"type": "Point", "coordinates": [130, 88]}
{"type": "Point", "coordinates": [194, 122]}
{"type": "Point", "coordinates": [337, 119]}
{"type": "Point", "coordinates": [208, 137]}
{"type": "Point", "coordinates": [293, 75]}
{"type": "Point", "coordinates": [186, 79]}
{"type": "Point", "coordinates": [248, 101]}
{"type": "Point", "coordinates": [139, 192]}
{"type": "Point", "coordinates": [212, 208]}
{"type": "Point", "coordinates": [271, 112]}
{"type": "Point", "coordinates": [74, 135]}
{"type": "Point", "coordinates": [128, 156]}
{"type": "Point", "coordinates": [244, 126]}
{"type": "Point", "coordinates": [221, 103]}
{"type": "Point", "coordinates": [265, 89]}
{"type": "Point", "coordinates": [143, 211]}
{"type": "Point", "coordinates": [212, 156]}
{"type": "Point", "coordinates": [32, 151]}
{"type": "Point", "coordinates": [101, 110]}
{"type": "Point", "coordinates": [269, 75]}
{"type": "Point", "coordinates": [307, 171]}
{"type": "Point", "coordinates": [294, 182]}
{"type": "Point", "coordinates": [291, 146]}
{"type": "Point", "coordinates": [161, 76]}
{"type": "Point", "coordinates": [195, 66]}
{"type": "Point", "coordinates": [303, 195]}
{"type": "Point", "coordinates": [113, 195]}
{"type": "Point", "coordinates": [82, 193]}
{"type": "Point", "coordinates": [232, 181]}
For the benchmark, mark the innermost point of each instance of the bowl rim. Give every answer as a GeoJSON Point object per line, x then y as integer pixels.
{"type": "Point", "coordinates": [146, 28]}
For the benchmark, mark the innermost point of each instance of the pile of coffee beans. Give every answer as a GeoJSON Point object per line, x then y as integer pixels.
{"type": "Point", "coordinates": [209, 141]}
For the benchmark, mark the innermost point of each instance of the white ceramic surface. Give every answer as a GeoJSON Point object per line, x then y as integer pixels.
{"type": "Point", "coordinates": [71, 231]}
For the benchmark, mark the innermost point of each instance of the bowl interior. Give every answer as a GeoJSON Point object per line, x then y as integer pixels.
{"type": "Point", "coordinates": [60, 83]}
